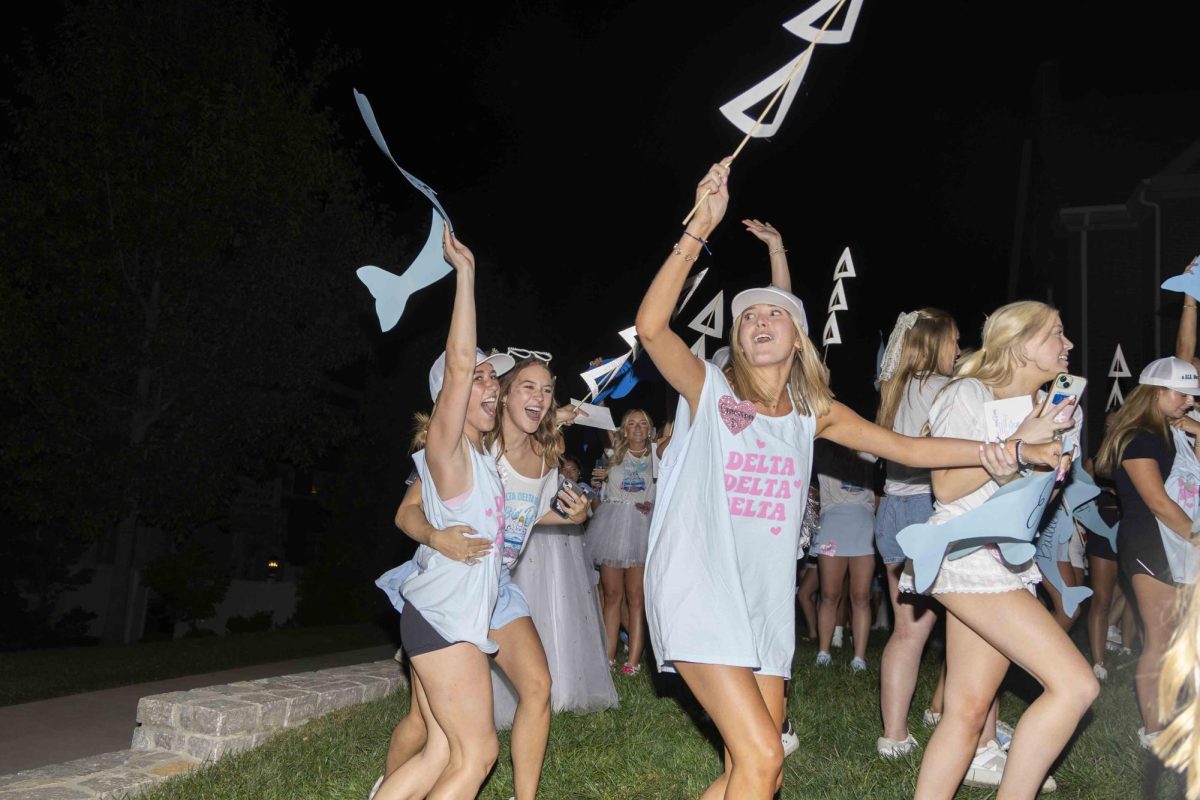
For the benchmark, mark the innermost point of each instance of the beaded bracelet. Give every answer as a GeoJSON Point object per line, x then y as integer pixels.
{"type": "Point", "coordinates": [703, 242]}
{"type": "Point", "coordinates": [780, 249]}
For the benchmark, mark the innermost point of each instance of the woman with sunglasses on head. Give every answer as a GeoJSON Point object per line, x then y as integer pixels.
{"type": "Point", "coordinates": [720, 570]}
{"type": "Point", "coordinates": [526, 444]}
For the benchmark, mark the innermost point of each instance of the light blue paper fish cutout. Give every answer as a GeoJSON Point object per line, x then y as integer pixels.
{"type": "Point", "coordinates": [1081, 494]}
{"type": "Point", "coordinates": [1058, 531]}
{"type": "Point", "coordinates": [368, 115]}
{"type": "Point", "coordinates": [1188, 283]}
{"type": "Point", "coordinates": [391, 292]}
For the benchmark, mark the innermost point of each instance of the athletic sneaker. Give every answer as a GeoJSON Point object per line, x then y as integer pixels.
{"type": "Point", "coordinates": [1114, 638]}
{"type": "Point", "coordinates": [1100, 672]}
{"type": "Point", "coordinates": [931, 718]}
{"type": "Point", "coordinates": [375, 788]}
{"type": "Point", "coordinates": [1146, 739]}
{"type": "Point", "coordinates": [1004, 734]}
{"type": "Point", "coordinates": [987, 767]}
{"type": "Point", "coordinates": [791, 742]}
{"type": "Point", "coordinates": [858, 664]}
{"type": "Point", "coordinates": [890, 748]}
{"type": "Point", "coordinates": [837, 636]}
{"type": "Point", "coordinates": [824, 659]}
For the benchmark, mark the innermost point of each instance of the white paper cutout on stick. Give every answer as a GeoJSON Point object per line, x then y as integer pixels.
{"type": "Point", "coordinates": [1115, 398]}
{"type": "Point", "coordinates": [630, 335]}
{"type": "Point", "coordinates": [837, 300]}
{"type": "Point", "coordinates": [597, 377]}
{"type": "Point", "coordinates": [831, 335]}
{"type": "Point", "coordinates": [698, 349]}
{"type": "Point", "coordinates": [802, 26]}
{"type": "Point", "coordinates": [1119, 367]}
{"type": "Point", "coordinates": [689, 289]}
{"type": "Point", "coordinates": [711, 319]}
{"type": "Point", "coordinates": [845, 266]}
{"type": "Point", "coordinates": [391, 292]}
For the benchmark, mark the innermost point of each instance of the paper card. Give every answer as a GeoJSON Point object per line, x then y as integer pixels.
{"type": "Point", "coordinates": [1003, 417]}
{"type": "Point", "coordinates": [391, 292]}
{"type": "Point", "coordinates": [597, 416]}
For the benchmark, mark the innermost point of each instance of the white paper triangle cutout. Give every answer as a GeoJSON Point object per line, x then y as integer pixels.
{"type": "Point", "coordinates": [831, 335]}
{"type": "Point", "coordinates": [805, 24]}
{"type": "Point", "coordinates": [837, 300]}
{"type": "Point", "coordinates": [711, 319]}
{"type": "Point", "coordinates": [698, 349]}
{"type": "Point", "coordinates": [1115, 398]}
{"type": "Point", "coordinates": [845, 266]}
{"type": "Point", "coordinates": [1119, 368]}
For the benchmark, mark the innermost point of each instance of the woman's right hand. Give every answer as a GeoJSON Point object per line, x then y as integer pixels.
{"type": "Point", "coordinates": [598, 476]}
{"type": "Point", "coordinates": [712, 197]}
{"type": "Point", "coordinates": [459, 543]}
{"type": "Point", "coordinates": [456, 253]}
{"type": "Point", "coordinates": [1042, 425]}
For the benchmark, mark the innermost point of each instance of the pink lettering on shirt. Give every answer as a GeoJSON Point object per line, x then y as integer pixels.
{"type": "Point", "coordinates": [751, 495]}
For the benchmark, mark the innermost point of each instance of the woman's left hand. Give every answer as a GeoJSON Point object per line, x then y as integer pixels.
{"type": "Point", "coordinates": [576, 505]}
{"type": "Point", "coordinates": [1187, 425]}
{"type": "Point", "coordinates": [765, 232]}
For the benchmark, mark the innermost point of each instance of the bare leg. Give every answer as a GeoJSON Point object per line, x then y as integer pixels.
{"type": "Point", "coordinates": [635, 602]}
{"type": "Point", "coordinates": [938, 702]}
{"type": "Point", "coordinates": [612, 581]}
{"type": "Point", "coordinates": [408, 737]}
{"type": "Point", "coordinates": [806, 597]}
{"type": "Point", "coordinates": [455, 697]}
{"type": "Point", "coordinates": [832, 571]}
{"type": "Point", "coordinates": [748, 712]}
{"type": "Point", "coordinates": [984, 632]}
{"type": "Point", "coordinates": [1104, 580]}
{"type": "Point", "coordinates": [862, 572]}
{"type": "Point", "coordinates": [524, 662]}
{"type": "Point", "coordinates": [913, 619]}
{"type": "Point", "coordinates": [1157, 607]}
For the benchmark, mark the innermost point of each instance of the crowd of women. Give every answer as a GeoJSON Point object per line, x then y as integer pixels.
{"type": "Point", "coordinates": [696, 536]}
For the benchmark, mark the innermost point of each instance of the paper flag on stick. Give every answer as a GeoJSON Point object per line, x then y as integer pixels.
{"type": "Point", "coordinates": [1119, 367]}
{"type": "Point", "coordinates": [698, 349]}
{"type": "Point", "coordinates": [598, 377]}
{"type": "Point", "coordinates": [689, 289]}
{"type": "Point", "coordinates": [831, 335]}
{"type": "Point", "coordinates": [630, 336]}
{"type": "Point", "coordinates": [1115, 398]}
{"type": "Point", "coordinates": [391, 292]}
{"type": "Point", "coordinates": [845, 266]}
{"type": "Point", "coordinates": [368, 115]}
{"type": "Point", "coordinates": [791, 74]}
{"type": "Point", "coordinates": [711, 319]}
{"type": "Point", "coordinates": [837, 300]}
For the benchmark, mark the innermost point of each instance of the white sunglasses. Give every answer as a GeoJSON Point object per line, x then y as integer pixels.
{"type": "Point", "coordinates": [540, 355]}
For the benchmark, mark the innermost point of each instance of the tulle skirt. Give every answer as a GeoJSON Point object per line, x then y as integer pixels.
{"type": "Point", "coordinates": [557, 581]}
{"type": "Point", "coordinates": [618, 535]}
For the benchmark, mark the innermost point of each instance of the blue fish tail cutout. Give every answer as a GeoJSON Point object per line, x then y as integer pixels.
{"type": "Point", "coordinates": [1188, 283]}
{"type": "Point", "coordinates": [391, 292]}
{"type": "Point", "coordinates": [619, 383]}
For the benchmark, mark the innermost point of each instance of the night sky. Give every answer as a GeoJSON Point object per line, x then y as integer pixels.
{"type": "Point", "coordinates": [565, 139]}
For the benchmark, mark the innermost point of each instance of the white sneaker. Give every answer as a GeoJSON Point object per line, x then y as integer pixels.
{"type": "Point", "coordinates": [837, 636]}
{"type": "Point", "coordinates": [824, 659]}
{"type": "Point", "coordinates": [375, 788]}
{"type": "Point", "coordinates": [1049, 785]}
{"type": "Point", "coordinates": [891, 748]}
{"type": "Point", "coordinates": [1004, 734]}
{"type": "Point", "coordinates": [1100, 672]}
{"type": "Point", "coordinates": [987, 767]}
{"type": "Point", "coordinates": [931, 718]}
{"type": "Point", "coordinates": [1114, 636]}
{"type": "Point", "coordinates": [858, 664]}
{"type": "Point", "coordinates": [1146, 739]}
{"type": "Point", "coordinates": [791, 742]}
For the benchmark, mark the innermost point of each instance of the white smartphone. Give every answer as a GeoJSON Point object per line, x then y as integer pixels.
{"type": "Point", "coordinates": [1066, 385]}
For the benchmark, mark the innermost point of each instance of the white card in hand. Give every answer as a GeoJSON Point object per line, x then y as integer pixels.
{"type": "Point", "coordinates": [597, 416]}
{"type": "Point", "coordinates": [1003, 417]}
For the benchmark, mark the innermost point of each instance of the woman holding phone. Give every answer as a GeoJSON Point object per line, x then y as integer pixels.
{"type": "Point", "coordinates": [720, 569]}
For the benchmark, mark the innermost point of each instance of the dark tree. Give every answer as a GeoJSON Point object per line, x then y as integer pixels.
{"type": "Point", "coordinates": [180, 229]}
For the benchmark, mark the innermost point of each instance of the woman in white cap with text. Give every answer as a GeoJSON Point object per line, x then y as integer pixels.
{"type": "Point", "coordinates": [720, 571]}
{"type": "Point", "coordinates": [1138, 453]}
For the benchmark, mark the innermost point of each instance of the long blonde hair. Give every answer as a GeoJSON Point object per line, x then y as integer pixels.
{"type": "Point", "coordinates": [920, 358]}
{"type": "Point", "coordinates": [808, 379]}
{"type": "Point", "coordinates": [547, 439]}
{"type": "Point", "coordinates": [1140, 412]}
{"type": "Point", "coordinates": [1178, 745]}
{"type": "Point", "coordinates": [1004, 332]}
{"type": "Point", "coordinates": [620, 442]}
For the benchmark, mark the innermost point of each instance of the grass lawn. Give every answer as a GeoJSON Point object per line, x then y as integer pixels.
{"type": "Point", "coordinates": [652, 748]}
{"type": "Point", "coordinates": [40, 674]}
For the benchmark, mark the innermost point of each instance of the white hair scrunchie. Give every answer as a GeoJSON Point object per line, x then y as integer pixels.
{"type": "Point", "coordinates": [895, 345]}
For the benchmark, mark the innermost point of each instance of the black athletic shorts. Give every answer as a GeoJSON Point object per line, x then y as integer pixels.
{"type": "Point", "coordinates": [417, 636]}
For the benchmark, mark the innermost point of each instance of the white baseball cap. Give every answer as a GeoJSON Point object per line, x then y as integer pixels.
{"type": "Point", "coordinates": [1173, 373]}
{"type": "Point", "coordinates": [437, 373]}
{"type": "Point", "coordinates": [771, 295]}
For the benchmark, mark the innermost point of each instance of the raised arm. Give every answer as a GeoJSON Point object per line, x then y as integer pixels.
{"type": "Point", "coordinates": [448, 460]}
{"type": "Point", "coordinates": [765, 232]}
{"type": "Point", "coordinates": [1185, 339]}
{"type": "Point", "coordinates": [674, 360]}
{"type": "Point", "coordinates": [456, 542]}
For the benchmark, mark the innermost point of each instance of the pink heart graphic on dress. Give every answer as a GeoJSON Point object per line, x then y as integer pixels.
{"type": "Point", "coordinates": [487, 512]}
{"type": "Point", "coordinates": [761, 444]}
{"type": "Point", "coordinates": [775, 530]}
{"type": "Point", "coordinates": [797, 482]}
{"type": "Point", "coordinates": [735, 415]}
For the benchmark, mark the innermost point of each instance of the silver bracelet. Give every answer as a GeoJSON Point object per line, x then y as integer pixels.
{"type": "Point", "coordinates": [1021, 463]}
